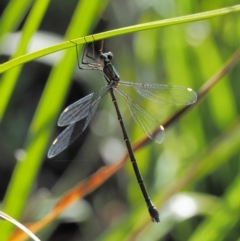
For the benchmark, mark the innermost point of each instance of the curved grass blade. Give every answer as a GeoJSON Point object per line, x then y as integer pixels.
{"type": "Point", "coordinates": [146, 122]}
{"type": "Point", "coordinates": [19, 225]}
{"type": "Point", "coordinates": [165, 94]}
{"type": "Point", "coordinates": [117, 32]}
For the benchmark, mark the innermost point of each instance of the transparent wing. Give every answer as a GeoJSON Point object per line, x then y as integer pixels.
{"type": "Point", "coordinates": [165, 94]}
{"type": "Point", "coordinates": [81, 120]}
{"type": "Point", "coordinates": [146, 122]}
{"type": "Point", "coordinates": [80, 109]}
{"type": "Point", "coordinates": [70, 134]}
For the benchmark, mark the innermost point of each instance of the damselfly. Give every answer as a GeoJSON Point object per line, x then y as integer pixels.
{"type": "Point", "coordinates": [78, 115]}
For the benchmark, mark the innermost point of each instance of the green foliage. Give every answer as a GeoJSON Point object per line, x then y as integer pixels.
{"type": "Point", "coordinates": [199, 158]}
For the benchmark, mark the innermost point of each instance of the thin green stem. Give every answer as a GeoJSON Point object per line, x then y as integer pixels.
{"type": "Point", "coordinates": [121, 31]}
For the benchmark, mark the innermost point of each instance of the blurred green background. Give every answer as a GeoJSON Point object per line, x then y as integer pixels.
{"type": "Point", "coordinates": [198, 160]}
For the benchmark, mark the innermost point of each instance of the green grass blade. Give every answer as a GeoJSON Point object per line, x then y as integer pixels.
{"type": "Point", "coordinates": [218, 225]}
{"type": "Point", "coordinates": [216, 155]}
{"type": "Point", "coordinates": [17, 9]}
{"type": "Point", "coordinates": [121, 31]}
{"type": "Point", "coordinates": [216, 102]}
{"type": "Point", "coordinates": [9, 79]}
{"type": "Point", "coordinates": [45, 116]}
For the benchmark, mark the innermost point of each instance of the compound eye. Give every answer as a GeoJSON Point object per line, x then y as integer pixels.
{"type": "Point", "coordinates": [110, 55]}
{"type": "Point", "coordinates": [101, 56]}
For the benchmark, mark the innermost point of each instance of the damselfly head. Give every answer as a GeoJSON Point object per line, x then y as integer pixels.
{"type": "Point", "coordinates": [106, 57]}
